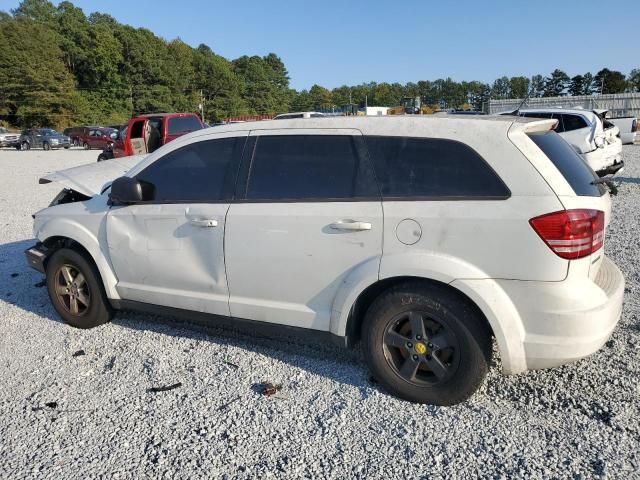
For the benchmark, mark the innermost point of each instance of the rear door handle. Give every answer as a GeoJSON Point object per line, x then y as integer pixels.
{"type": "Point", "coordinates": [203, 222]}
{"type": "Point", "coordinates": [350, 225]}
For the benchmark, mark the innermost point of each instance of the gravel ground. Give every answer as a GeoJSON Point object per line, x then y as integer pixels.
{"type": "Point", "coordinates": [578, 421]}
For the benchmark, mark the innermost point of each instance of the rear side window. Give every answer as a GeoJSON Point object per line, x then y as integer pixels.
{"type": "Point", "coordinates": [571, 165]}
{"type": "Point", "coordinates": [573, 122]}
{"type": "Point", "coordinates": [203, 171]}
{"type": "Point", "coordinates": [432, 168]}
{"type": "Point", "coordinates": [178, 125]}
{"type": "Point", "coordinates": [309, 167]}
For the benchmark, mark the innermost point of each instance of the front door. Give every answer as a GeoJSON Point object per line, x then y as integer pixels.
{"type": "Point", "coordinates": [169, 250]}
{"type": "Point", "coordinates": [308, 214]}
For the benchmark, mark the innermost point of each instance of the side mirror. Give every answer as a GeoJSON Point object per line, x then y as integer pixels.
{"type": "Point", "coordinates": [126, 190]}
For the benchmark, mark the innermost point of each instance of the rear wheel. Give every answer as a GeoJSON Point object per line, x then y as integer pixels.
{"type": "Point", "coordinates": [76, 291]}
{"type": "Point", "coordinates": [76, 143]}
{"type": "Point", "coordinates": [85, 145]}
{"type": "Point", "coordinates": [46, 146]}
{"type": "Point", "coordinates": [425, 344]}
{"type": "Point", "coordinates": [25, 146]}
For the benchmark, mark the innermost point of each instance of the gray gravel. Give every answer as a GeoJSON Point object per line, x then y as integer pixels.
{"type": "Point", "coordinates": [578, 421]}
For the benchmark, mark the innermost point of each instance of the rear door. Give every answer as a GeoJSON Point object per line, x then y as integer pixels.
{"type": "Point", "coordinates": [308, 213]}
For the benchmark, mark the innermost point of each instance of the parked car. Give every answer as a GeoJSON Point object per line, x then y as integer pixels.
{"type": "Point", "coordinates": [9, 139]}
{"type": "Point", "coordinates": [98, 138]}
{"type": "Point", "coordinates": [492, 227]}
{"type": "Point", "coordinates": [45, 138]}
{"type": "Point", "coordinates": [76, 133]}
{"type": "Point", "coordinates": [628, 128]}
{"type": "Point", "coordinates": [591, 135]}
{"type": "Point", "coordinates": [288, 116]}
{"type": "Point", "coordinates": [147, 133]}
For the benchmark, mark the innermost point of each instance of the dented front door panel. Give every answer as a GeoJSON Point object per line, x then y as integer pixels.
{"type": "Point", "coordinates": [170, 254]}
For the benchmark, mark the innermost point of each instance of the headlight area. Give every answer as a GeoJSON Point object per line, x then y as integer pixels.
{"type": "Point", "coordinates": [68, 195]}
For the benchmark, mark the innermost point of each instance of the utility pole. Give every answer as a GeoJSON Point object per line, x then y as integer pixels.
{"type": "Point", "coordinates": [201, 106]}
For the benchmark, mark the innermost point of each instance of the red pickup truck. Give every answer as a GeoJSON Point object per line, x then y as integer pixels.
{"type": "Point", "coordinates": [147, 133]}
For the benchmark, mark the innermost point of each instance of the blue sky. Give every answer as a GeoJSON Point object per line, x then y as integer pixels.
{"type": "Point", "coordinates": [336, 42]}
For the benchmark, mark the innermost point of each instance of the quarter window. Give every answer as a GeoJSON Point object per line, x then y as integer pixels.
{"type": "Point", "coordinates": [202, 171]}
{"type": "Point", "coordinates": [573, 122]}
{"type": "Point", "coordinates": [299, 167]}
{"type": "Point", "coordinates": [432, 167]}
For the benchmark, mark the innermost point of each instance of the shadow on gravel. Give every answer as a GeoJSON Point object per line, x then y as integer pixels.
{"type": "Point", "coordinates": [632, 180]}
{"type": "Point", "coordinates": [20, 285]}
{"type": "Point", "coordinates": [23, 287]}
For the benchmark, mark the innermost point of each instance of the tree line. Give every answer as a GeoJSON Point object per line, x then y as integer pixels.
{"type": "Point", "coordinates": [59, 66]}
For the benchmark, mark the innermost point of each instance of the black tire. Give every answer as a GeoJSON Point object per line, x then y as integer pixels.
{"type": "Point", "coordinates": [46, 146]}
{"type": "Point", "coordinates": [86, 146]}
{"type": "Point", "coordinates": [67, 147]}
{"type": "Point", "coordinates": [25, 146]}
{"type": "Point", "coordinates": [452, 355]}
{"type": "Point", "coordinates": [18, 147]}
{"type": "Point", "coordinates": [102, 157]}
{"type": "Point", "coordinates": [91, 302]}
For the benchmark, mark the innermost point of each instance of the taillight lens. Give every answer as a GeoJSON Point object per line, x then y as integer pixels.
{"type": "Point", "coordinates": [571, 234]}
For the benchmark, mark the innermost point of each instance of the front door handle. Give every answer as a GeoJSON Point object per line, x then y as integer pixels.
{"type": "Point", "coordinates": [350, 225]}
{"type": "Point", "coordinates": [203, 222]}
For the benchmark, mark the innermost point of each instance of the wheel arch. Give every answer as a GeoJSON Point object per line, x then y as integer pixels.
{"type": "Point", "coordinates": [368, 295]}
{"type": "Point", "coordinates": [485, 297]}
{"type": "Point", "coordinates": [83, 242]}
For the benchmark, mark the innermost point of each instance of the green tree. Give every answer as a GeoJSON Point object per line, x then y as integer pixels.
{"type": "Point", "coordinates": [576, 87]}
{"type": "Point", "coordinates": [37, 90]}
{"type": "Point", "coordinates": [610, 81]}
{"type": "Point", "coordinates": [634, 79]}
{"type": "Point", "coordinates": [519, 87]}
{"type": "Point", "coordinates": [556, 85]}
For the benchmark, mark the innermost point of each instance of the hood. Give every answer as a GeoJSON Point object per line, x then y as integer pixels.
{"type": "Point", "coordinates": [90, 179]}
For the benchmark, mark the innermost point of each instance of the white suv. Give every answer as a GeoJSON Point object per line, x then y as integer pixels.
{"type": "Point", "coordinates": [423, 237]}
{"type": "Point", "coordinates": [594, 137]}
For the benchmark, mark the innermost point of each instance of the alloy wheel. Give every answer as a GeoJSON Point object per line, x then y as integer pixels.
{"type": "Point", "coordinates": [72, 290]}
{"type": "Point", "coordinates": [420, 348]}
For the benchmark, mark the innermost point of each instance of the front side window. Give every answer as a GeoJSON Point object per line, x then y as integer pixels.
{"type": "Point", "coordinates": [199, 172]}
{"type": "Point", "coordinates": [308, 167]}
{"type": "Point", "coordinates": [432, 167]}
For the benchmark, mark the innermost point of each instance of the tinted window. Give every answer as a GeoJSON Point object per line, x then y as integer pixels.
{"type": "Point", "coordinates": [179, 125]}
{"type": "Point", "coordinates": [198, 172]}
{"type": "Point", "coordinates": [431, 167]}
{"type": "Point", "coordinates": [573, 122]}
{"type": "Point", "coordinates": [297, 167]}
{"type": "Point", "coordinates": [571, 166]}
{"type": "Point", "coordinates": [136, 129]}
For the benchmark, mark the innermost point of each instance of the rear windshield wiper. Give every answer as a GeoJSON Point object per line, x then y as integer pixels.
{"type": "Point", "coordinates": [605, 181]}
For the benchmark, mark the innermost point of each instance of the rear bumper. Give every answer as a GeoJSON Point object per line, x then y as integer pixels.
{"type": "Point", "coordinates": [36, 257]}
{"type": "Point", "coordinates": [603, 158]}
{"type": "Point", "coordinates": [569, 320]}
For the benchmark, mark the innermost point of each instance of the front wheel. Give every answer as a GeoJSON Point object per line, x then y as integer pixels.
{"type": "Point", "coordinates": [76, 291]}
{"type": "Point", "coordinates": [426, 344]}
{"type": "Point", "coordinates": [46, 146]}
{"type": "Point", "coordinates": [25, 146]}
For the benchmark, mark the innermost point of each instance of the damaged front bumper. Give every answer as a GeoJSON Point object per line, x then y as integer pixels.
{"type": "Point", "coordinates": [36, 257]}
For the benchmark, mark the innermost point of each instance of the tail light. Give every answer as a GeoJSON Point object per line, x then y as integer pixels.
{"type": "Point", "coordinates": [571, 234]}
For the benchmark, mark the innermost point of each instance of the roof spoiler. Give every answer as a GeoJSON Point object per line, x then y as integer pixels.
{"type": "Point", "coordinates": [537, 126]}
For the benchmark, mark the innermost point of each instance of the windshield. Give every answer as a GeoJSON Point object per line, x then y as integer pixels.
{"type": "Point", "coordinates": [3, 130]}
{"type": "Point", "coordinates": [179, 125]}
{"type": "Point", "coordinates": [48, 132]}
